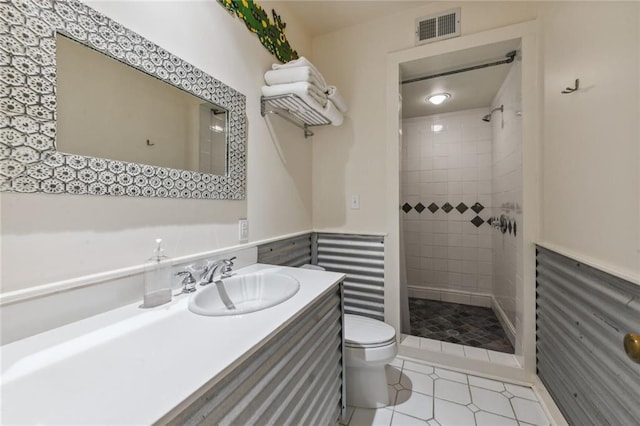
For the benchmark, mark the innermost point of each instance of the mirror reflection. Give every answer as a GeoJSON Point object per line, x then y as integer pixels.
{"type": "Point", "coordinates": [107, 109]}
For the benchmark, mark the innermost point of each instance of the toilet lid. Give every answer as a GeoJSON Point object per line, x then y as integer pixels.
{"type": "Point", "coordinates": [362, 331]}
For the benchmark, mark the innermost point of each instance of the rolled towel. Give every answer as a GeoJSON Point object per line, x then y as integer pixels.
{"type": "Point", "coordinates": [293, 75]}
{"type": "Point", "coordinates": [332, 113]}
{"type": "Point", "coordinates": [303, 89]}
{"type": "Point", "coordinates": [334, 96]}
{"type": "Point", "coordinates": [302, 62]}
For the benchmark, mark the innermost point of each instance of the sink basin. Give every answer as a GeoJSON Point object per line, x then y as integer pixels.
{"type": "Point", "coordinates": [242, 294]}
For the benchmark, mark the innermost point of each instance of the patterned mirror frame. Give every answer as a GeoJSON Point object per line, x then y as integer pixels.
{"type": "Point", "coordinates": [29, 161]}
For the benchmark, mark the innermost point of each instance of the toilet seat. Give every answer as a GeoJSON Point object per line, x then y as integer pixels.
{"type": "Point", "coordinates": [363, 332]}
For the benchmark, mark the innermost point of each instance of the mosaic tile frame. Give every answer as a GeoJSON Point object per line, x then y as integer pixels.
{"type": "Point", "coordinates": [29, 161]}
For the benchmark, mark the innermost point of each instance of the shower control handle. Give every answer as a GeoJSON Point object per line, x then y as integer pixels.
{"type": "Point", "coordinates": [504, 223]}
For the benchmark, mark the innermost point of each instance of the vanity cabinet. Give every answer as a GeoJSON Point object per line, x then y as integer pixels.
{"type": "Point", "coordinates": [169, 365]}
{"type": "Point", "coordinates": [296, 377]}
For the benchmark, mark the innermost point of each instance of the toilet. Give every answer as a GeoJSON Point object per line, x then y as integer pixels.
{"type": "Point", "coordinates": [369, 346]}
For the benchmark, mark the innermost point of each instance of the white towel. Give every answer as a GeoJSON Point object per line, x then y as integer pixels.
{"type": "Point", "coordinates": [334, 96]}
{"type": "Point", "coordinates": [329, 110]}
{"type": "Point", "coordinates": [332, 113]}
{"type": "Point", "coordinates": [303, 89]}
{"type": "Point", "coordinates": [302, 62]}
{"type": "Point", "coordinates": [293, 75]}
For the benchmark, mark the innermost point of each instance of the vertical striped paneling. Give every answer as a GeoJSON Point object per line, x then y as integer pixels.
{"type": "Point", "coordinates": [295, 379]}
{"type": "Point", "coordinates": [294, 251]}
{"type": "Point", "coordinates": [361, 258]}
{"type": "Point", "coordinates": [582, 317]}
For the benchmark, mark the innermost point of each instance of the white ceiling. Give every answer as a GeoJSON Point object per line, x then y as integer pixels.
{"type": "Point", "coordinates": [472, 89]}
{"type": "Point", "coordinates": [325, 16]}
{"type": "Point", "coordinates": [469, 90]}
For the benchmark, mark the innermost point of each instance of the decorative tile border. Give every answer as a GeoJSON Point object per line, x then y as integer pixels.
{"type": "Point", "coordinates": [29, 161]}
{"type": "Point", "coordinates": [510, 224]}
{"type": "Point", "coordinates": [447, 208]}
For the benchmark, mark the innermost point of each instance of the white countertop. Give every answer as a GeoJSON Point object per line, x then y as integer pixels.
{"type": "Point", "coordinates": [132, 365]}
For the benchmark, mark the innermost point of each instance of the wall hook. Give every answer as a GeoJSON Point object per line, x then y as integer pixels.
{"type": "Point", "coordinates": [149, 143]}
{"type": "Point", "coordinates": [572, 89]}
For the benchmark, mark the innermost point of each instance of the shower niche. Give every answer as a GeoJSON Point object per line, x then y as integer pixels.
{"type": "Point", "coordinates": [461, 198]}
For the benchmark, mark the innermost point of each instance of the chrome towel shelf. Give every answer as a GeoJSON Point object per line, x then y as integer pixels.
{"type": "Point", "coordinates": [293, 109]}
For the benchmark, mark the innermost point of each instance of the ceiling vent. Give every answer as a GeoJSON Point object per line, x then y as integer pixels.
{"type": "Point", "coordinates": [438, 27]}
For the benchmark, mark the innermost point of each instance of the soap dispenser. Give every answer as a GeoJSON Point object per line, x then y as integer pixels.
{"type": "Point", "coordinates": [157, 278]}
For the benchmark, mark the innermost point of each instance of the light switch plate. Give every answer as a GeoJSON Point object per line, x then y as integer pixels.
{"type": "Point", "coordinates": [243, 230]}
{"type": "Point", "coordinates": [355, 202]}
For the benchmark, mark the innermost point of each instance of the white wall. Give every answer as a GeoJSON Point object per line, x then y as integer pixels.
{"type": "Point", "coordinates": [361, 157]}
{"type": "Point", "coordinates": [351, 159]}
{"type": "Point", "coordinates": [47, 238]}
{"type": "Point", "coordinates": [591, 139]}
{"type": "Point", "coordinates": [507, 198]}
{"type": "Point", "coordinates": [446, 251]}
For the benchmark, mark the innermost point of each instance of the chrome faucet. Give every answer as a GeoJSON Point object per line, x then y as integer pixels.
{"type": "Point", "coordinates": [224, 265]}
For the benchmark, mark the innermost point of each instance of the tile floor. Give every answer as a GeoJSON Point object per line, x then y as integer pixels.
{"type": "Point", "coordinates": [467, 325]}
{"type": "Point", "coordinates": [425, 395]}
{"type": "Point", "coordinates": [430, 345]}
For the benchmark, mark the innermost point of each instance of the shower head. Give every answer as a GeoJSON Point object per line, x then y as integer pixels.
{"type": "Point", "coordinates": [487, 117]}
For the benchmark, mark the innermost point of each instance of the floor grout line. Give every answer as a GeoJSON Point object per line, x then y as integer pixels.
{"type": "Point", "coordinates": [467, 382]}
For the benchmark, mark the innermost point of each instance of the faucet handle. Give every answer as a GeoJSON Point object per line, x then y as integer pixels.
{"type": "Point", "coordinates": [188, 282]}
{"type": "Point", "coordinates": [226, 268]}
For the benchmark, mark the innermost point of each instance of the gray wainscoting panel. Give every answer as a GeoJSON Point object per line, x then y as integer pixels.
{"type": "Point", "coordinates": [295, 379]}
{"type": "Point", "coordinates": [295, 251]}
{"type": "Point", "coordinates": [582, 317]}
{"type": "Point", "coordinates": [361, 258]}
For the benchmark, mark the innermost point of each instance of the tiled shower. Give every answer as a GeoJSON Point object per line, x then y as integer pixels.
{"type": "Point", "coordinates": [459, 176]}
{"type": "Point", "coordinates": [447, 191]}
{"type": "Point", "coordinates": [507, 200]}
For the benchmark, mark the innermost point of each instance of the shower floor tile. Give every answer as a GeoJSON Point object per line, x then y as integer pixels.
{"type": "Point", "coordinates": [462, 324]}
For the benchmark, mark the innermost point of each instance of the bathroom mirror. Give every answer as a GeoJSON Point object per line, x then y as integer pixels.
{"type": "Point", "coordinates": [50, 141]}
{"type": "Point", "coordinates": [110, 110]}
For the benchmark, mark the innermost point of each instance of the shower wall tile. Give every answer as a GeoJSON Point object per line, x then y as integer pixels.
{"type": "Point", "coordinates": [507, 196]}
{"type": "Point", "coordinates": [446, 251]}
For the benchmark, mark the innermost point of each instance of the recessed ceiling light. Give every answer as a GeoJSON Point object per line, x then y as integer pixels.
{"type": "Point", "coordinates": [438, 98]}
{"type": "Point", "coordinates": [436, 128]}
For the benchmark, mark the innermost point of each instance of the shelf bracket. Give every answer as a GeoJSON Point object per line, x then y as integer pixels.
{"type": "Point", "coordinates": [286, 116]}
